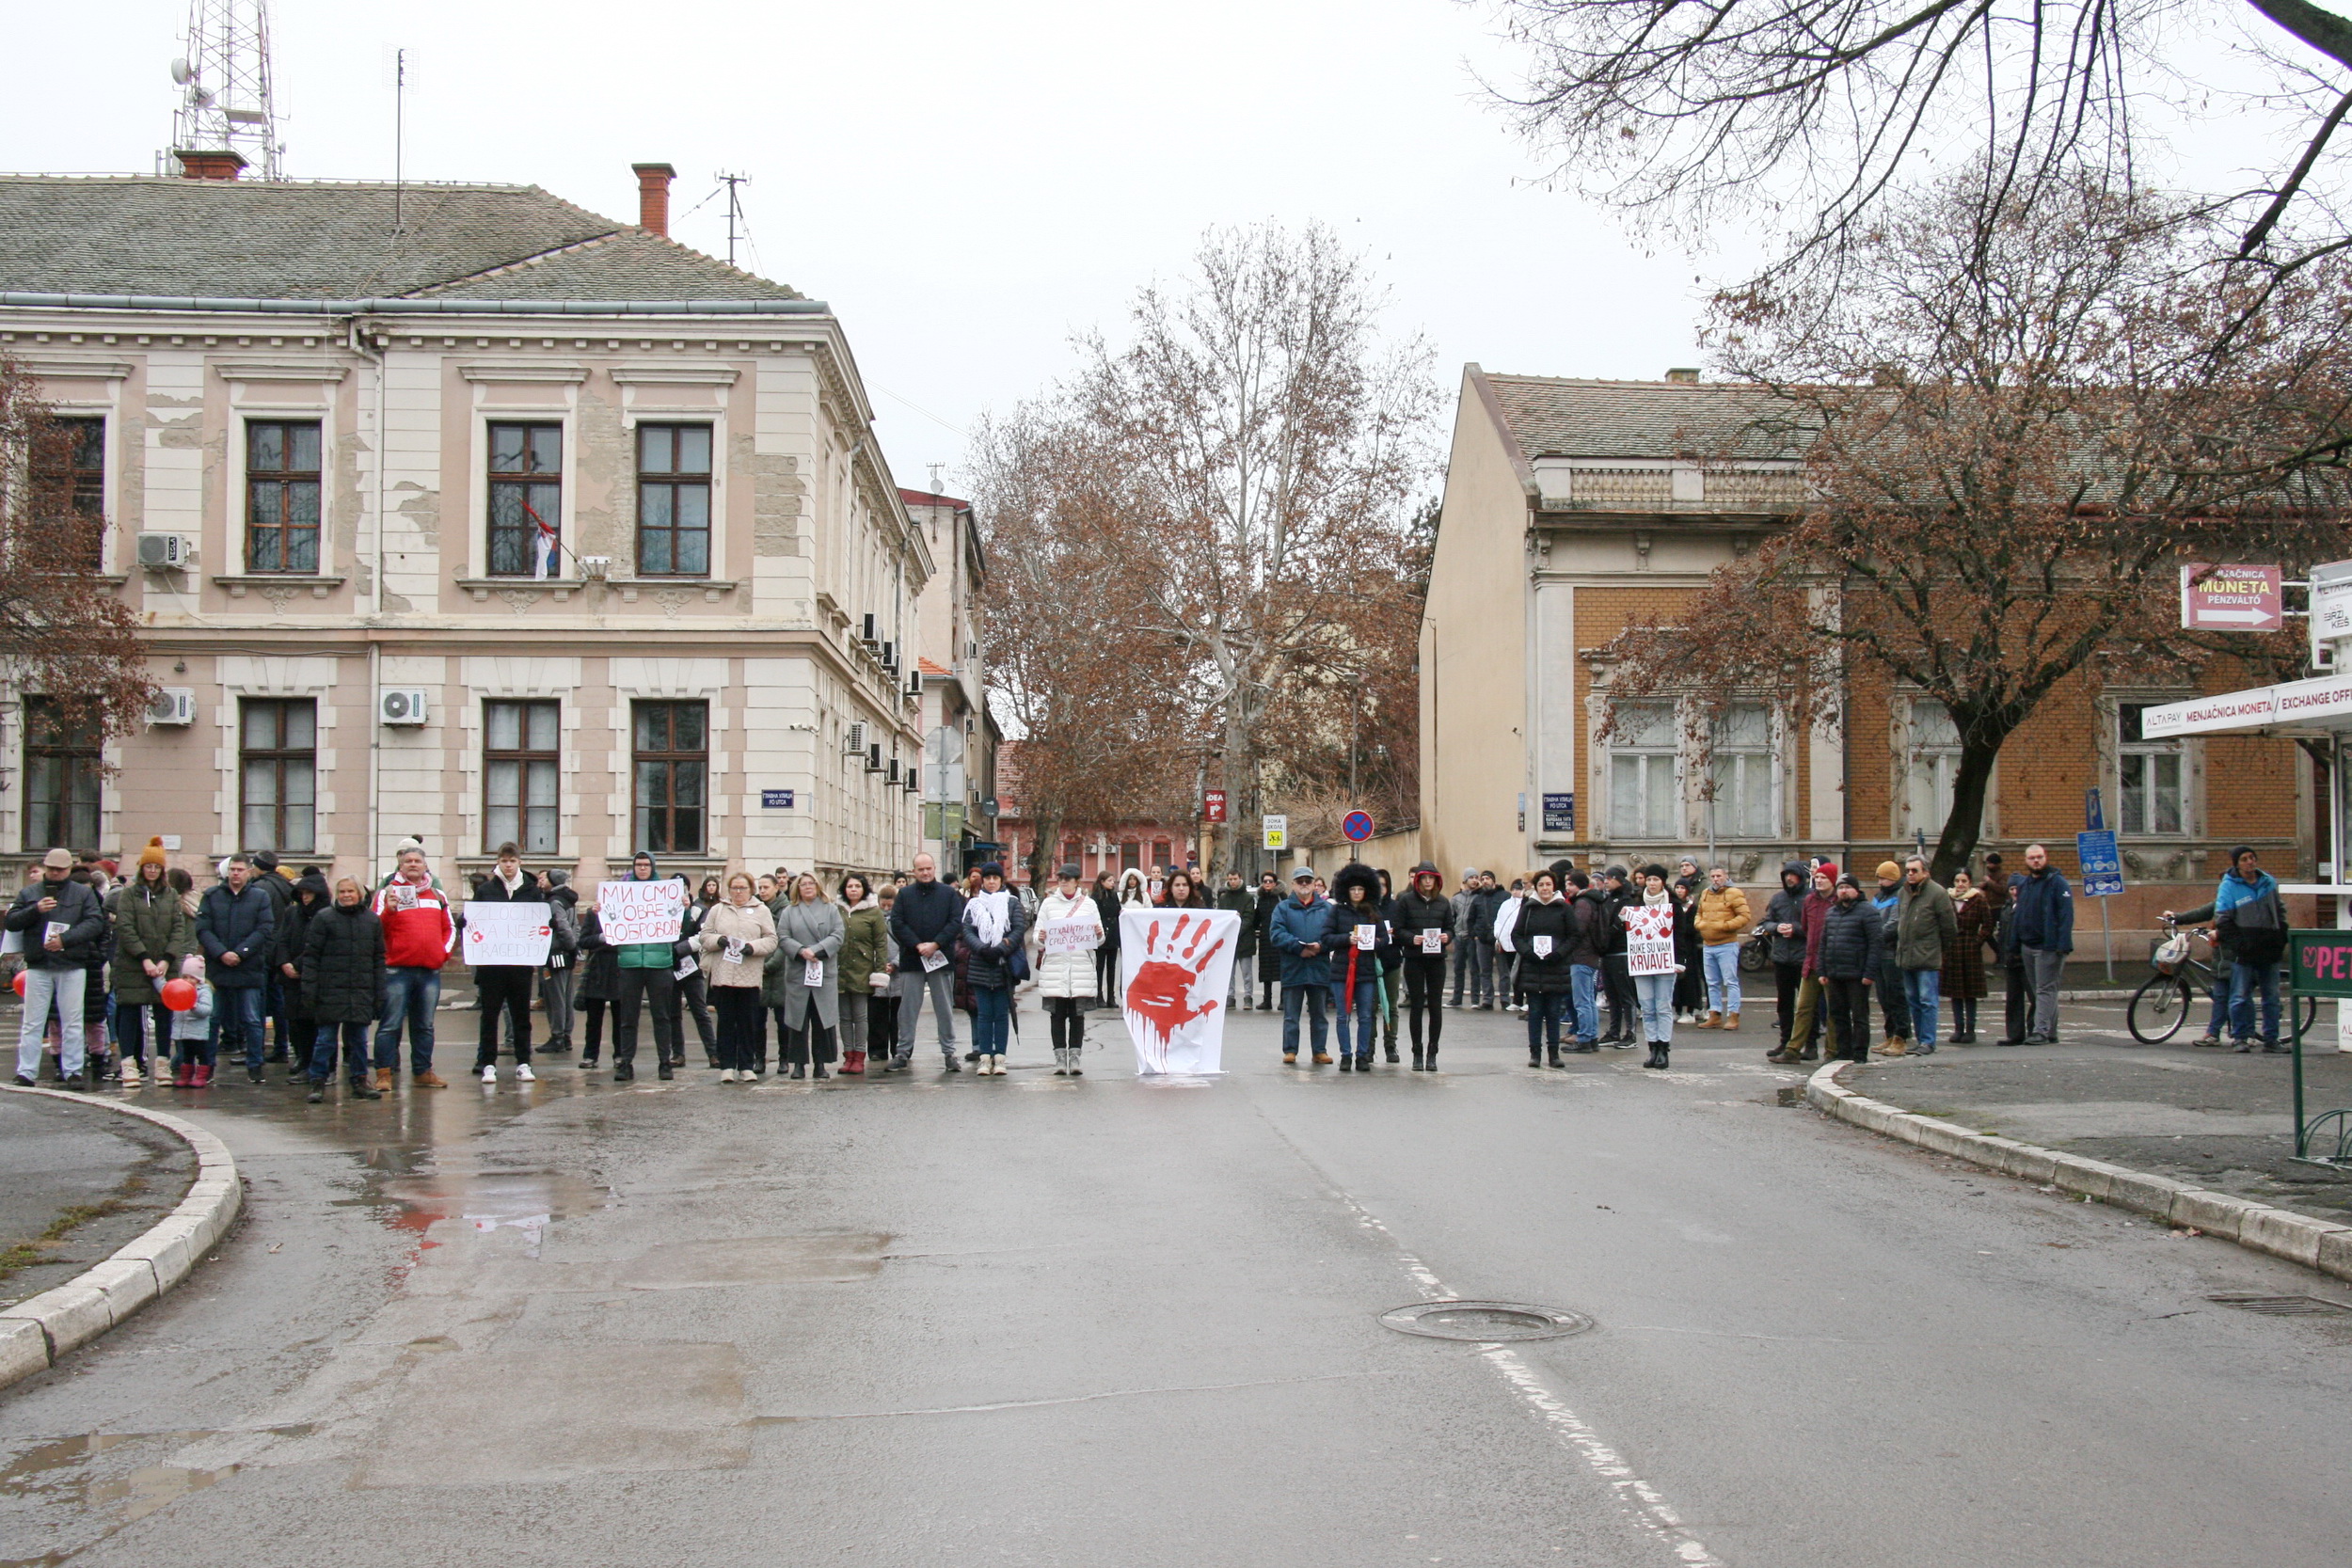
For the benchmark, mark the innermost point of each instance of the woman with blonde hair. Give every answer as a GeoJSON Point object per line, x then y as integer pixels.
{"type": "Point", "coordinates": [737, 935]}
{"type": "Point", "coordinates": [809, 933]}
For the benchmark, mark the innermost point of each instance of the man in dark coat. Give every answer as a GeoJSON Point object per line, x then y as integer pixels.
{"type": "Point", "coordinates": [236, 925]}
{"type": "Point", "coordinates": [1854, 942]}
{"type": "Point", "coordinates": [63, 924]}
{"type": "Point", "coordinates": [278, 1008]}
{"type": "Point", "coordinates": [342, 965]}
{"type": "Point", "coordinates": [1243, 903]}
{"type": "Point", "coordinates": [924, 921]}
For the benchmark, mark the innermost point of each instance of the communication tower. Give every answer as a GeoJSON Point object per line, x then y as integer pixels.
{"type": "Point", "coordinates": [224, 83]}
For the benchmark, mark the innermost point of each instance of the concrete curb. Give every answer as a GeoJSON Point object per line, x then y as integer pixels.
{"type": "Point", "coordinates": [2277, 1232]}
{"type": "Point", "coordinates": [37, 1332]}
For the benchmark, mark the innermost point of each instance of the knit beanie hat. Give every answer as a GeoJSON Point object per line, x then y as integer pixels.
{"type": "Point", "coordinates": [153, 853]}
{"type": "Point", "coordinates": [1889, 871]}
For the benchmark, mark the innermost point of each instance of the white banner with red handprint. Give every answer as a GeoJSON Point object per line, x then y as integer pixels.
{"type": "Point", "coordinates": [1175, 967]}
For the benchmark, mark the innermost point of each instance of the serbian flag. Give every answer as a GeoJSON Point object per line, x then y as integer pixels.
{"type": "Point", "coordinates": [546, 553]}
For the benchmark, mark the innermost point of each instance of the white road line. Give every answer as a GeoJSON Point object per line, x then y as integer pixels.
{"type": "Point", "coordinates": [1639, 1500]}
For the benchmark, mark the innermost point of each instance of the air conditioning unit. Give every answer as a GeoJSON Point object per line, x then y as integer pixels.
{"type": "Point", "coordinates": [165, 551]}
{"type": "Point", "coordinates": [890, 656]}
{"type": "Point", "coordinates": [874, 758]}
{"type": "Point", "coordinates": [914, 781]}
{"type": "Point", "coordinates": [853, 737]}
{"type": "Point", "coordinates": [868, 633]}
{"type": "Point", "coordinates": [402, 705]}
{"type": "Point", "coordinates": [173, 704]}
{"type": "Point", "coordinates": [914, 684]}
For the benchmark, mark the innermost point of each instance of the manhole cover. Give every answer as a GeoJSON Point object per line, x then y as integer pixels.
{"type": "Point", "coordinates": [1485, 1322]}
{"type": "Point", "coordinates": [2287, 1307]}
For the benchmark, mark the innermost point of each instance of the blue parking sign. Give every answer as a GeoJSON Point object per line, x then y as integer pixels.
{"type": "Point", "coordinates": [2102, 864]}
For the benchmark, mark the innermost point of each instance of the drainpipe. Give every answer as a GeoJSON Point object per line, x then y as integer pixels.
{"type": "Point", "coordinates": [356, 340]}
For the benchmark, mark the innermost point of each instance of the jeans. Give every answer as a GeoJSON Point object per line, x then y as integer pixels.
{"type": "Point", "coordinates": [940, 986]}
{"type": "Point", "coordinates": [742, 1028]}
{"type": "Point", "coordinates": [1849, 1017]}
{"type": "Point", "coordinates": [2244, 980]}
{"type": "Point", "coordinates": [1462, 972]}
{"type": "Point", "coordinates": [1657, 992]}
{"type": "Point", "coordinates": [1313, 998]}
{"type": "Point", "coordinates": [282, 1021]}
{"type": "Point", "coordinates": [2044, 970]}
{"type": "Point", "coordinates": [1923, 990]}
{"type": "Point", "coordinates": [63, 987]}
{"type": "Point", "coordinates": [1482, 951]}
{"type": "Point", "coordinates": [1891, 1000]}
{"type": "Point", "coordinates": [1544, 1008]}
{"type": "Point", "coordinates": [238, 1014]}
{"type": "Point", "coordinates": [503, 989]}
{"type": "Point", "coordinates": [1722, 975]}
{"type": "Point", "coordinates": [1425, 988]}
{"type": "Point", "coordinates": [354, 1052]}
{"type": "Point", "coordinates": [992, 1017]}
{"type": "Point", "coordinates": [555, 994]}
{"type": "Point", "coordinates": [410, 995]}
{"type": "Point", "coordinates": [1583, 987]}
{"type": "Point", "coordinates": [1364, 1013]}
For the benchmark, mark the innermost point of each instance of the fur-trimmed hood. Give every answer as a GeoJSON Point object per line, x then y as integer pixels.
{"type": "Point", "coordinates": [1356, 874]}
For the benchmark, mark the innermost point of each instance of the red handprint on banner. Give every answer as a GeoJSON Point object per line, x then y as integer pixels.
{"type": "Point", "coordinates": [1161, 993]}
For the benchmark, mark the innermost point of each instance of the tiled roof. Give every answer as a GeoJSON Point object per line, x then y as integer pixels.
{"type": "Point", "coordinates": [284, 240]}
{"type": "Point", "coordinates": [927, 497]}
{"type": "Point", "coordinates": [927, 667]}
{"type": "Point", "coordinates": [1555, 417]}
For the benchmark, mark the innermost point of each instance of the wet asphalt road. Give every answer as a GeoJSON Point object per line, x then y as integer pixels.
{"type": "Point", "coordinates": [1030, 1320]}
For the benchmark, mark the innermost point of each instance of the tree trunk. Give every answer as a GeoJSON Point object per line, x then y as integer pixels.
{"type": "Point", "coordinates": [1961, 828]}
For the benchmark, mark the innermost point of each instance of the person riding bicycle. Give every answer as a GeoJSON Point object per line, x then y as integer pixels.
{"type": "Point", "coordinates": [2251, 926]}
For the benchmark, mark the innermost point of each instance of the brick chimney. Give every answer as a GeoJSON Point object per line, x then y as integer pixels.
{"type": "Point", "coordinates": [210, 163]}
{"type": "Point", "coordinates": [653, 197]}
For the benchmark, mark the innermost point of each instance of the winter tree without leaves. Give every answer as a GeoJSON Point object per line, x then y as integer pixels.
{"type": "Point", "coordinates": [1814, 112]}
{"type": "Point", "coordinates": [64, 637]}
{"type": "Point", "coordinates": [1253, 448]}
{"type": "Point", "coordinates": [2010, 442]}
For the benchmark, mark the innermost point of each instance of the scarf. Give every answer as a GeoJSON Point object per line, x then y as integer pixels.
{"type": "Point", "coordinates": [1660, 897]}
{"type": "Point", "coordinates": [992, 916]}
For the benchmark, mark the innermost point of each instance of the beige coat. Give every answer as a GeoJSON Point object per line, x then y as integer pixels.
{"type": "Point", "coordinates": [752, 925]}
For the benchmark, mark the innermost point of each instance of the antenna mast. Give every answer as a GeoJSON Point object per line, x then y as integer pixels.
{"type": "Point", "coordinates": [399, 126]}
{"type": "Point", "coordinates": [224, 82]}
{"type": "Point", "coordinates": [734, 182]}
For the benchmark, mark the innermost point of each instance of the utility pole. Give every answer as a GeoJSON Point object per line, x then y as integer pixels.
{"type": "Point", "coordinates": [734, 182]}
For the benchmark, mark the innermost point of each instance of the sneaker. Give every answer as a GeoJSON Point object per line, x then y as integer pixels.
{"type": "Point", "coordinates": [22, 1082]}
{"type": "Point", "coordinates": [726, 1075]}
{"type": "Point", "coordinates": [2207, 1042]}
{"type": "Point", "coordinates": [490, 1074]}
{"type": "Point", "coordinates": [948, 1064]}
{"type": "Point", "coordinates": [523, 1073]}
{"type": "Point", "coordinates": [2272, 1048]}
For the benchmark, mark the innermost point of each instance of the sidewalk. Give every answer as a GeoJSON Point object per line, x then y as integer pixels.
{"type": "Point", "coordinates": [2209, 1118]}
{"type": "Point", "coordinates": [76, 1182]}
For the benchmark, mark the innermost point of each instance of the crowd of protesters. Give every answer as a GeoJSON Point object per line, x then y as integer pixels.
{"type": "Point", "coordinates": [148, 979]}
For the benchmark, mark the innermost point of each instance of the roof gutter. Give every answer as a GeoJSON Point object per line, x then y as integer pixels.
{"type": "Point", "coordinates": [422, 307]}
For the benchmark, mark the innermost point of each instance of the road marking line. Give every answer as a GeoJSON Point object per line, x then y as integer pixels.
{"type": "Point", "coordinates": [1640, 1501]}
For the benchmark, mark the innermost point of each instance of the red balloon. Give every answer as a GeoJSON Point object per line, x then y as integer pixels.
{"type": "Point", "coordinates": [19, 982]}
{"type": "Point", "coordinates": [179, 995]}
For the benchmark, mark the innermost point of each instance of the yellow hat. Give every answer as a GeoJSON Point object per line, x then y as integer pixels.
{"type": "Point", "coordinates": [153, 853]}
{"type": "Point", "coordinates": [1889, 871]}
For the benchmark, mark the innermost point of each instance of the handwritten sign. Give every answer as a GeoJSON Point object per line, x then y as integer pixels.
{"type": "Point", "coordinates": [641, 911]}
{"type": "Point", "coordinates": [507, 934]}
{"type": "Point", "coordinates": [1070, 936]}
{"type": "Point", "coordinates": [1649, 939]}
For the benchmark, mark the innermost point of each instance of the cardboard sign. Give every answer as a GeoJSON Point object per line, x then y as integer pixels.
{"type": "Point", "coordinates": [633, 913]}
{"type": "Point", "coordinates": [1070, 936]}
{"type": "Point", "coordinates": [507, 934]}
{"type": "Point", "coordinates": [1649, 939]}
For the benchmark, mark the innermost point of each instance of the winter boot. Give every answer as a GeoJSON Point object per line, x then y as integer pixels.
{"type": "Point", "coordinates": [203, 1076]}
{"type": "Point", "coordinates": [1390, 1044]}
{"type": "Point", "coordinates": [1535, 1056]}
{"type": "Point", "coordinates": [1712, 1021]}
{"type": "Point", "coordinates": [1432, 1065]}
{"type": "Point", "coordinates": [853, 1064]}
{"type": "Point", "coordinates": [183, 1076]}
{"type": "Point", "coordinates": [1657, 1055]}
{"type": "Point", "coordinates": [1731, 1022]}
{"type": "Point", "coordinates": [1347, 1063]}
{"type": "Point", "coordinates": [131, 1075]}
{"type": "Point", "coordinates": [1417, 1053]}
{"type": "Point", "coordinates": [1061, 1061]}
{"type": "Point", "coordinates": [1551, 1055]}
{"type": "Point", "coordinates": [1665, 1056]}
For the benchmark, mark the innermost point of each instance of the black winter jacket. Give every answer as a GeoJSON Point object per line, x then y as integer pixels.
{"type": "Point", "coordinates": [1788, 908]}
{"type": "Point", "coordinates": [294, 920]}
{"type": "Point", "coordinates": [1339, 938]}
{"type": "Point", "coordinates": [1415, 914]}
{"type": "Point", "coordinates": [924, 911]}
{"type": "Point", "coordinates": [599, 963]}
{"type": "Point", "coordinates": [244, 923]}
{"type": "Point", "coordinates": [80, 911]}
{"type": "Point", "coordinates": [1853, 941]}
{"type": "Point", "coordinates": [343, 965]}
{"type": "Point", "coordinates": [1555, 920]}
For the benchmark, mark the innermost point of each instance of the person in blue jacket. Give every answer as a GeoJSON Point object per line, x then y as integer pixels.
{"type": "Point", "coordinates": [1295, 931]}
{"type": "Point", "coordinates": [2251, 926]}
{"type": "Point", "coordinates": [2041, 932]}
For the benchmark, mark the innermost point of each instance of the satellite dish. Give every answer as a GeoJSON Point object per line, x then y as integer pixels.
{"type": "Point", "coordinates": [182, 71]}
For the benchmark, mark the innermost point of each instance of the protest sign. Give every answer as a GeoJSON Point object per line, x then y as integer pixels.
{"type": "Point", "coordinates": [1649, 939]}
{"type": "Point", "coordinates": [1070, 936]}
{"type": "Point", "coordinates": [507, 934]}
{"type": "Point", "coordinates": [641, 911]}
{"type": "Point", "coordinates": [1175, 967]}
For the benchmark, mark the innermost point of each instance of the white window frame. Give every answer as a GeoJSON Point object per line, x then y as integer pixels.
{"type": "Point", "coordinates": [2177, 748]}
{"type": "Point", "coordinates": [1769, 759]}
{"type": "Point", "coordinates": [1652, 755]}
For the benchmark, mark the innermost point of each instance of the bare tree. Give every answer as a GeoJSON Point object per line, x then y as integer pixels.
{"type": "Point", "coordinates": [2009, 443]}
{"type": "Point", "coordinates": [1814, 112]}
{"type": "Point", "coordinates": [65, 636]}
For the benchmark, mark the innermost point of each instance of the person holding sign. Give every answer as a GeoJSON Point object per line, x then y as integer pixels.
{"type": "Point", "coordinates": [922, 922]}
{"type": "Point", "coordinates": [993, 921]}
{"type": "Point", "coordinates": [1650, 960]}
{"type": "Point", "coordinates": [809, 934]}
{"type": "Point", "coordinates": [865, 954]}
{"type": "Point", "coordinates": [63, 924]}
{"type": "Point", "coordinates": [1544, 935]}
{"type": "Point", "coordinates": [1426, 925]}
{"type": "Point", "coordinates": [505, 987]}
{"type": "Point", "coordinates": [737, 935]}
{"type": "Point", "coordinates": [1354, 932]}
{"type": "Point", "coordinates": [641, 916]}
{"type": "Point", "coordinates": [1069, 933]}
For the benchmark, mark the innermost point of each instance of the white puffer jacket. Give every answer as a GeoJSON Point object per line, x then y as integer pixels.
{"type": "Point", "coordinates": [1065, 973]}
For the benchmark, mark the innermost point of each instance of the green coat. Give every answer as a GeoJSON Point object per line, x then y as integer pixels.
{"type": "Point", "coordinates": [865, 949]}
{"type": "Point", "coordinates": [146, 927]}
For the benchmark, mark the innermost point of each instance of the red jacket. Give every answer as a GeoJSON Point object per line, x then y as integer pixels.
{"type": "Point", "coordinates": [419, 937]}
{"type": "Point", "coordinates": [1813, 913]}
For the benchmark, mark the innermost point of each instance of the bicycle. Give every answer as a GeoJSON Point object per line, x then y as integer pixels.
{"type": "Point", "coordinates": [2163, 1001]}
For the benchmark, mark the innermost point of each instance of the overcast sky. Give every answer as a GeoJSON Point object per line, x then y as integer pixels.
{"type": "Point", "coordinates": [966, 184]}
